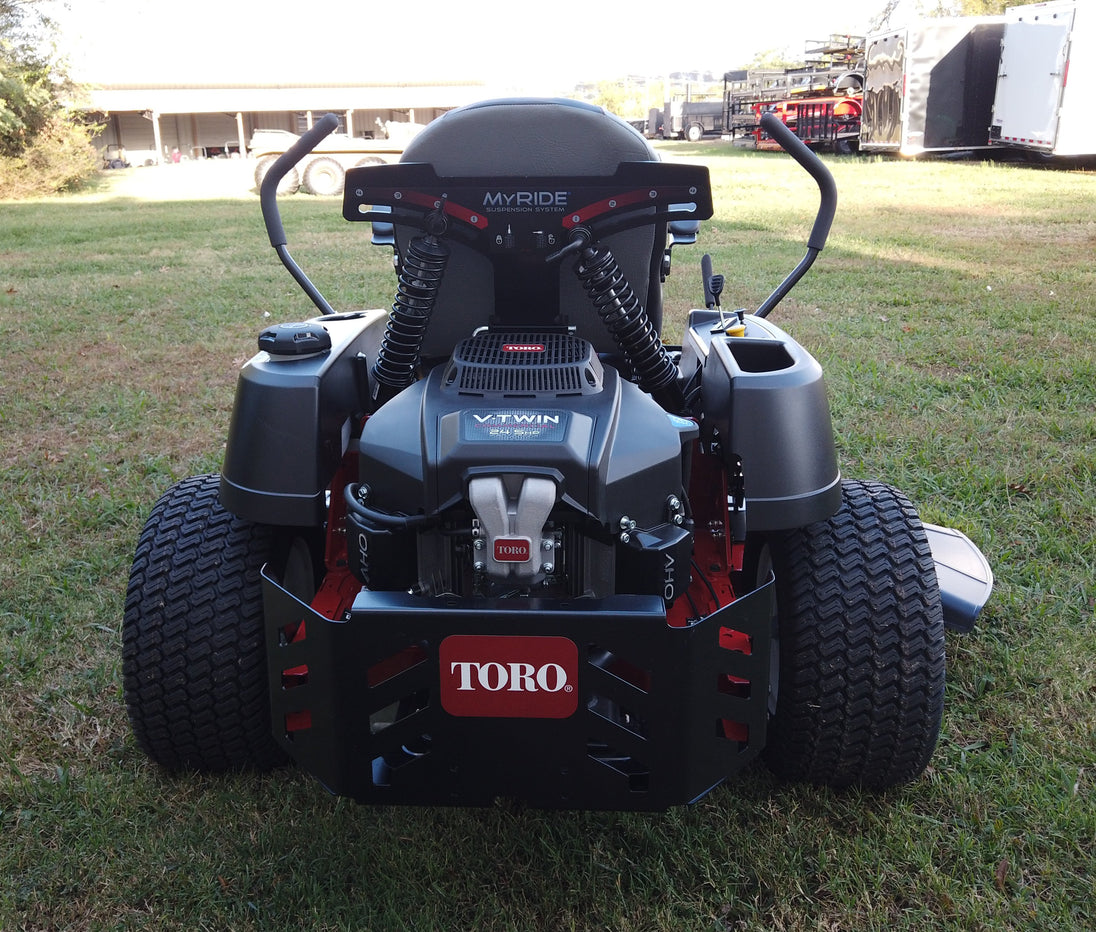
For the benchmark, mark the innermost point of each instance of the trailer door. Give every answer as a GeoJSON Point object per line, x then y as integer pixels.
{"type": "Point", "coordinates": [884, 92]}
{"type": "Point", "coordinates": [1029, 84]}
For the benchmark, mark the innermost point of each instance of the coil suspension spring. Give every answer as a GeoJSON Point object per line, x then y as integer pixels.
{"type": "Point", "coordinates": [628, 324]}
{"type": "Point", "coordinates": [420, 277]}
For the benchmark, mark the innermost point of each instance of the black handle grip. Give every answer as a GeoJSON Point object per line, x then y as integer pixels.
{"type": "Point", "coordinates": [268, 191]}
{"type": "Point", "coordinates": [795, 147]}
{"type": "Point", "coordinates": [706, 274]}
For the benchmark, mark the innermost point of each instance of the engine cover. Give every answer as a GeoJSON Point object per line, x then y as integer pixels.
{"type": "Point", "coordinates": [516, 427]}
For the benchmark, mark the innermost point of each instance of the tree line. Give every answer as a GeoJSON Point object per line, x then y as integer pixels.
{"type": "Point", "coordinates": [45, 137]}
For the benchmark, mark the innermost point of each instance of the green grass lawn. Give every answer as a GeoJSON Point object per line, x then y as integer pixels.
{"type": "Point", "coordinates": [953, 313]}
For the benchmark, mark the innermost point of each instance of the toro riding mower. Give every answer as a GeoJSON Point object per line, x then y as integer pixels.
{"type": "Point", "coordinates": [502, 541]}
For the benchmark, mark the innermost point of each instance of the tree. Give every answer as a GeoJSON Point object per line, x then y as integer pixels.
{"type": "Point", "coordinates": [884, 18]}
{"type": "Point", "coordinates": [984, 7]}
{"type": "Point", "coordinates": [45, 143]}
{"type": "Point", "coordinates": [773, 60]}
{"type": "Point", "coordinates": [25, 103]}
{"type": "Point", "coordinates": [964, 7]}
{"type": "Point", "coordinates": [629, 98]}
{"type": "Point", "coordinates": [24, 78]}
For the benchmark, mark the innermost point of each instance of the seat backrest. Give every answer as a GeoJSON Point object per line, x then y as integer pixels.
{"type": "Point", "coordinates": [527, 138]}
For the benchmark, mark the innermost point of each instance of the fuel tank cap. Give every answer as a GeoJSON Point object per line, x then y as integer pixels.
{"type": "Point", "coordinates": [306, 338]}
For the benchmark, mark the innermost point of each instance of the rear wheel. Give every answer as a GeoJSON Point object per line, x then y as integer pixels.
{"type": "Point", "coordinates": [290, 182]}
{"type": "Point", "coordinates": [193, 644]}
{"type": "Point", "coordinates": [324, 177]}
{"type": "Point", "coordinates": [861, 645]}
{"type": "Point", "coordinates": [694, 132]}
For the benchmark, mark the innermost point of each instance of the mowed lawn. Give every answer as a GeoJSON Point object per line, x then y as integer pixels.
{"type": "Point", "coordinates": [953, 313]}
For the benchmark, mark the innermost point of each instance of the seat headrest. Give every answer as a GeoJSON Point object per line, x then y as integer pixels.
{"type": "Point", "coordinates": [527, 136]}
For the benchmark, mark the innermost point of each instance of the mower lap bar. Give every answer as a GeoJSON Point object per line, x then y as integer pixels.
{"type": "Point", "coordinates": [813, 166]}
{"type": "Point", "coordinates": [507, 214]}
{"type": "Point", "coordinates": [382, 706]}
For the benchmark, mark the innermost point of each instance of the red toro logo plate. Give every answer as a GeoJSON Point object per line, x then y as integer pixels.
{"type": "Point", "coordinates": [513, 550]}
{"type": "Point", "coordinates": [523, 347]}
{"type": "Point", "coordinates": [501, 676]}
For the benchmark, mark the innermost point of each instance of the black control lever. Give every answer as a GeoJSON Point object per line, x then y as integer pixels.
{"type": "Point", "coordinates": [827, 189]}
{"type": "Point", "coordinates": [715, 286]}
{"type": "Point", "coordinates": [268, 201]}
{"type": "Point", "coordinates": [706, 277]}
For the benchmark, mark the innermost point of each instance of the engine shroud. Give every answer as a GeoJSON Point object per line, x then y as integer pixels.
{"type": "Point", "coordinates": [509, 408]}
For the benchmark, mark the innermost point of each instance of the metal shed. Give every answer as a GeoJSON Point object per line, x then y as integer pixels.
{"type": "Point", "coordinates": [145, 123]}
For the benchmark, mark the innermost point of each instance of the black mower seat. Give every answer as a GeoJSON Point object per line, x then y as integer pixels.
{"type": "Point", "coordinates": [512, 140]}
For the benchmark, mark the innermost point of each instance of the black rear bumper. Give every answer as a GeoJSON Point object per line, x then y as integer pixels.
{"type": "Point", "coordinates": [650, 716]}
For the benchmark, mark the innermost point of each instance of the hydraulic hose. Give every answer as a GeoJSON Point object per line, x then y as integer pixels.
{"type": "Point", "coordinates": [628, 324]}
{"type": "Point", "coordinates": [376, 520]}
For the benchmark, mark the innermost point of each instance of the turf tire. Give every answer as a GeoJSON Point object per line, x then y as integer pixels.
{"type": "Point", "coordinates": [861, 645]}
{"type": "Point", "coordinates": [193, 649]}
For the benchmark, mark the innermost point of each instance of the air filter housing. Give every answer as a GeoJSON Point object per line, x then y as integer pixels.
{"type": "Point", "coordinates": [524, 364]}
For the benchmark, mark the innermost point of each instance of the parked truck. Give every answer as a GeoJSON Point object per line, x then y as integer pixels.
{"type": "Point", "coordinates": [1046, 79]}
{"type": "Point", "coordinates": [323, 171]}
{"type": "Point", "coordinates": [691, 120]}
{"type": "Point", "coordinates": [928, 87]}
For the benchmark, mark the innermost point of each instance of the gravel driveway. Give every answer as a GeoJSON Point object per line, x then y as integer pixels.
{"type": "Point", "coordinates": [190, 180]}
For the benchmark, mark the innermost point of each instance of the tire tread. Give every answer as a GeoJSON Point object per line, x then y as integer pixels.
{"type": "Point", "coordinates": [193, 649]}
{"type": "Point", "coordinates": [862, 645]}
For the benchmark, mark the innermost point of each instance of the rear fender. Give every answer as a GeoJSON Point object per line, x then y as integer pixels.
{"type": "Point", "coordinates": [292, 421]}
{"type": "Point", "coordinates": [764, 396]}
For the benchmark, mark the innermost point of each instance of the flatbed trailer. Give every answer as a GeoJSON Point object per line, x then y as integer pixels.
{"type": "Point", "coordinates": [820, 102]}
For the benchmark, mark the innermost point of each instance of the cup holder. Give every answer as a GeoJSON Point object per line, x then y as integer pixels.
{"type": "Point", "coordinates": [760, 355]}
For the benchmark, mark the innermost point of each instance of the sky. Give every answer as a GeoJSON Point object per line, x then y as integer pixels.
{"type": "Point", "coordinates": [510, 44]}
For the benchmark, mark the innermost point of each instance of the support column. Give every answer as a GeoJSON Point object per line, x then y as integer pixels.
{"type": "Point", "coordinates": [157, 138]}
{"type": "Point", "coordinates": [240, 134]}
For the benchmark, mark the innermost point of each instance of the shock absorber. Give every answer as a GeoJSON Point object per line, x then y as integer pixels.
{"type": "Point", "coordinates": [421, 273]}
{"type": "Point", "coordinates": [628, 324]}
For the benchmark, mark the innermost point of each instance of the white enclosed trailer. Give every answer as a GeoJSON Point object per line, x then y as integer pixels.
{"type": "Point", "coordinates": [928, 87]}
{"type": "Point", "coordinates": [1047, 79]}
